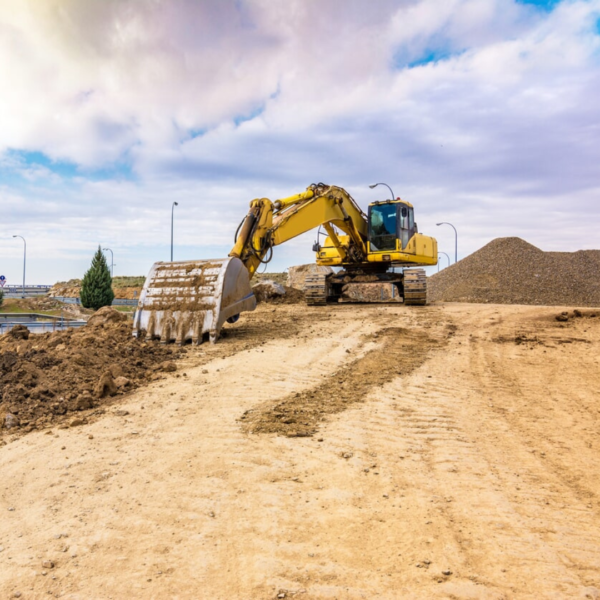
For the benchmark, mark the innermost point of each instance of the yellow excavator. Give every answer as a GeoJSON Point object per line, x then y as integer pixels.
{"type": "Point", "coordinates": [188, 300]}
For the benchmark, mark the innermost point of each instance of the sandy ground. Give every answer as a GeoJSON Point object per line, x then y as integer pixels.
{"type": "Point", "coordinates": [461, 462]}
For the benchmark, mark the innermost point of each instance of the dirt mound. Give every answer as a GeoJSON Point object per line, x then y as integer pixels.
{"type": "Point", "coordinates": [291, 296]}
{"type": "Point", "coordinates": [267, 290]}
{"type": "Point", "coordinates": [512, 271]}
{"type": "Point", "coordinates": [47, 376]}
{"type": "Point", "coordinates": [106, 315]}
{"type": "Point", "coordinates": [19, 332]}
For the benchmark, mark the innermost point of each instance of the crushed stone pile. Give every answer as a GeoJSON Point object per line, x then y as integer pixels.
{"type": "Point", "coordinates": [46, 377]}
{"type": "Point", "coordinates": [512, 271]}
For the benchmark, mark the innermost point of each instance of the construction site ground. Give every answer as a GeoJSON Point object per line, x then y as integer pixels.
{"type": "Point", "coordinates": [346, 452]}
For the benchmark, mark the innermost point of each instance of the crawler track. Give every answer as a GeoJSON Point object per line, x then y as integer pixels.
{"type": "Point", "coordinates": [415, 287]}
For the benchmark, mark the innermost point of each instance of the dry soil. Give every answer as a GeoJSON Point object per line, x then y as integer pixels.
{"type": "Point", "coordinates": [344, 452]}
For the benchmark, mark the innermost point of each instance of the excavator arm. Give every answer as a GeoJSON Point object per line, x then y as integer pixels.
{"type": "Point", "coordinates": [270, 224]}
{"type": "Point", "coordinates": [187, 300]}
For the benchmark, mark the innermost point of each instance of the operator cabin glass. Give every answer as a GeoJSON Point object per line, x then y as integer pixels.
{"type": "Point", "coordinates": [382, 223]}
{"type": "Point", "coordinates": [407, 224]}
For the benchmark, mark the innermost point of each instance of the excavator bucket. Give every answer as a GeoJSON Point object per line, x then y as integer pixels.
{"type": "Point", "coordinates": [184, 300]}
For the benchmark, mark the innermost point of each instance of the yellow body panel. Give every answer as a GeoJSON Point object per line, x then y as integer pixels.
{"type": "Point", "coordinates": [420, 250]}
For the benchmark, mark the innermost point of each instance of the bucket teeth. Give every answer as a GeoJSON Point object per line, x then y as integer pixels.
{"type": "Point", "coordinates": [183, 301]}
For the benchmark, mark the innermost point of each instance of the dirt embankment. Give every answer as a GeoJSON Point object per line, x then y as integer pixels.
{"type": "Point", "coordinates": [512, 271]}
{"type": "Point", "coordinates": [46, 377]}
{"type": "Point", "coordinates": [45, 305]}
{"type": "Point", "coordinates": [73, 291]}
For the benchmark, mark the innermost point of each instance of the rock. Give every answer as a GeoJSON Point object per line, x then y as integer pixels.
{"type": "Point", "coordinates": [19, 332]}
{"type": "Point", "coordinates": [82, 402]}
{"type": "Point", "coordinates": [447, 572]}
{"type": "Point", "coordinates": [106, 386]}
{"type": "Point", "coordinates": [77, 421]}
{"type": "Point", "coordinates": [267, 289]}
{"type": "Point", "coordinates": [122, 382]}
{"type": "Point", "coordinates": [347, 455]}
{"type": "Point", "coordinates": [7, 361]}
{"type": "Point", "coordinates": [105, 315]}
{"type": "Point", "coordinates": [562, 317]}
{"type": "Point", "coordinates": [297, 275]}
{"type": "Point", "coordinates": [116, 371]}
{"type": "Point", "coordinates": [11, 421]}
{"type": "Point", "coordinates": [167, 366]}
{"type": "Point", "coordinates": [48, 564]}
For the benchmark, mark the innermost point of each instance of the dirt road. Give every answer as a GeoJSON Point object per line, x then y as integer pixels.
{"type": "Point", "coordinates": [348, 452]}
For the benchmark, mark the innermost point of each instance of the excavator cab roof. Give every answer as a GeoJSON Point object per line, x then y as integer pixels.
{"type": "Point", "coordinates": [396, 201]}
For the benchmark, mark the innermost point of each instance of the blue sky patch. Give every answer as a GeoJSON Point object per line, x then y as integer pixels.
{"type": "Point", "coordinates": [20, 161]}
{"type": "Point", "coordinates": [249, 116]}
{"type": "Point", "coordinates": [431, 56]}
{"type": "Point", "coordinates": [546, 5]}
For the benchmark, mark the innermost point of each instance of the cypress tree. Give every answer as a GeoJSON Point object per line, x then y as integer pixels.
{"type": "Point", "coordinates": [96, 287]}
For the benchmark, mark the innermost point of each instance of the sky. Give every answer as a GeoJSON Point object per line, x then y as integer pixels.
{"type": "Point", "coordinates": [481, 113]}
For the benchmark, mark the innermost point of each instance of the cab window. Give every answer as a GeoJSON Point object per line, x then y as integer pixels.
{"type": "Point", "coordinates": [382, 227]}
{"type": "Point", "coordinates": [407, 224]}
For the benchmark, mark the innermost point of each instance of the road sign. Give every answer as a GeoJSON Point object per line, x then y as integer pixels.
{"type": "Point", "coordinates": [2, 281]}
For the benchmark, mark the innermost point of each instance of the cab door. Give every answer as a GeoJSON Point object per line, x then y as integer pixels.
{"type": "Point", "coordinates": [406, 220]}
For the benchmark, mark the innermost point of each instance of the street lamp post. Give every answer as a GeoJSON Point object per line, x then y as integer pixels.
{"type": "Point", "coordinates": [455, 239]}
{"type": "Point", "coordinates": [24, 259]}
{"type": "Point", "coordinates": [172, 211]}
{"type": "Point", "coordinates": [386, 185]}
{"type": "Point", "coordinates": [439, 261]}
{"type": "Point", "coordinates": [112, 261]}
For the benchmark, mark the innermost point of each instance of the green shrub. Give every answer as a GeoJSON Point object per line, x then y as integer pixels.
{"type": "Point", "coordinates": [96, 286]}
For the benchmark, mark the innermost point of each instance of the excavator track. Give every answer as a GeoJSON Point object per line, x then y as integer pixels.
{"type": "Point", "coordinates": [415, 287]}
{"type": "Point", "coordinates": [315, 289]}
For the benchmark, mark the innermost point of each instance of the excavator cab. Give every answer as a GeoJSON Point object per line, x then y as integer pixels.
{"type": "Point", "coordinates": [390, 222]}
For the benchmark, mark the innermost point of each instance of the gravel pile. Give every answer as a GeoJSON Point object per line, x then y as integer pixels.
{"type": "Point", "coordinates": [512, 271]}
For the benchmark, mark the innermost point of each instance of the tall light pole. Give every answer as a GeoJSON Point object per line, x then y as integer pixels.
{"type": "Point", "coordinates": [386, 185]}
{"type": "Point", "coordinates": [24, 260]}
{"type": "Point", "coordinates": [446, 257]}
{"type": "Point", "coordinates": [172, 210]}
{"type": "Point", "coordinates": [112, 261]}
{"type": "Point", "coordinates": [455, 239]}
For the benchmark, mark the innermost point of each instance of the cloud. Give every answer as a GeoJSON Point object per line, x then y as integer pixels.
{"type": "Point", "coordinates": [480, 112]}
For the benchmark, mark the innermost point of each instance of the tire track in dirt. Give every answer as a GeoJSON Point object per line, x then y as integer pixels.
{"type": "Point", "coordinates": [544, 520]}
{"type": "Point", "coordinates": [388, 352]}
